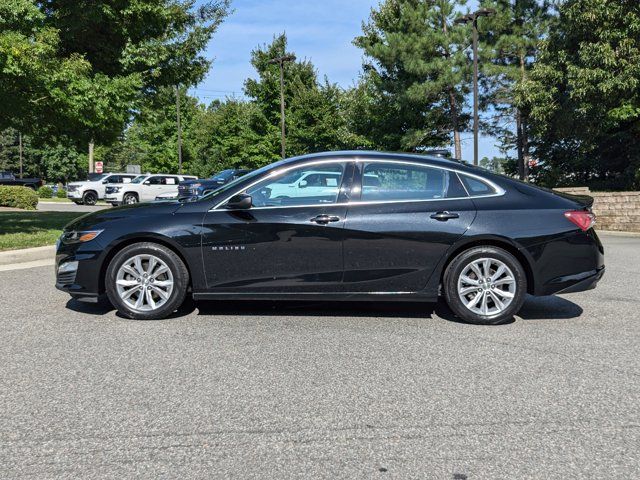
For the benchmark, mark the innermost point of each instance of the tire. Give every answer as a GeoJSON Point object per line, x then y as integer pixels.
{"type": "Point", "coordinates": [77, 202]}
{"type": "Point", "coordinates": [126, 296]}
{"type": "Point", "coordinates": [114, 204]}
{"type": "Point", "coordinates": [129, 199]}
{"type": "Point", "coordinates": [504, 297]}
{"type": "Point", "coordinates": [90, 198]}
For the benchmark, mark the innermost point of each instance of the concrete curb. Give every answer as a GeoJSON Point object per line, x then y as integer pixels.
{"type": "Point", "coordinates": [27, 255]}
{"type": "Point", "coordinates": [618, 233]}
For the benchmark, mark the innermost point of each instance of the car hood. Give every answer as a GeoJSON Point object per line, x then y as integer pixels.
{"type": "Point", "coordinates": [186, 183]}
{"type": "Point", "coordinates": [104, 217]}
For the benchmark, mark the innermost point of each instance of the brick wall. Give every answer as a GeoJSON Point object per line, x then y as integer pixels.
{"type": "Point", "coordinates": [614, 210]}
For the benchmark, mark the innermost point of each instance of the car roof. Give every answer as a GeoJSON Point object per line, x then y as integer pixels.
{"type": "Point", "coordinates": [358, 154]}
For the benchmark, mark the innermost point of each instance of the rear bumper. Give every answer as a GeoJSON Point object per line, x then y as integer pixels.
{"type": "Point", "coordinates": [575, 283]}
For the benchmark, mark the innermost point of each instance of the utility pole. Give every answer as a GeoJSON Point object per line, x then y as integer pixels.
{"type": "Point", "coordinates": [473, 19]}
{"type": "Point", "coordinates": [91, 170]}
{"type": "Point", "coordinates": [20, 151]}
{"type": "Point", "coordinates": [281, 61]}
{"type": "Point", "coordinates": [179, 129]}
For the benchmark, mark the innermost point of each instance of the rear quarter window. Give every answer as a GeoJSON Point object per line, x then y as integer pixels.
{"type": "Point", "coordinates": [477, 187]}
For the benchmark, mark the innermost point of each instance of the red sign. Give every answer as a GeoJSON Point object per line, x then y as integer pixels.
{"type": "Point", "coordinates": [98, 167]}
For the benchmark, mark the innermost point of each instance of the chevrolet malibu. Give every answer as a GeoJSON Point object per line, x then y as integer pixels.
{"type": "Point", "coordinates": [379, 226]}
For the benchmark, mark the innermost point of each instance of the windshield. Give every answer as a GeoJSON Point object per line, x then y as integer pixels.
{"type": "Point", "coordinates": [223, 175]}
{"type": "Point", "coordinates": [96, 177]}
{"type": "Point", "coordinates": [139, 179]}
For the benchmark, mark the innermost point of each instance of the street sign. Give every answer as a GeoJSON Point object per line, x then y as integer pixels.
{"type": "Point", "coordinates": [98, 166]}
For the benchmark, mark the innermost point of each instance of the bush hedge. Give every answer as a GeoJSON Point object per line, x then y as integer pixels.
{"type": "Point", "coordinates": [18, 197]}
{"type": "Point", "coordinates": [45, 192]}
{"type": "Point", "coordinates": [61, 193]}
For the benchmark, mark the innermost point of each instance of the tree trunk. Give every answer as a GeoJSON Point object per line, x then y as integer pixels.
{"type": "Point", "coordinates": [454, 123]}
{"type": "Point", "coordinates": [91, 156]}
{"type": "Point", "coordinates": [521, 127]}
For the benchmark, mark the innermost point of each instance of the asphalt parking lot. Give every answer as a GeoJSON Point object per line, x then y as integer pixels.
{"type": "Point", "coordinates": [275, 390]}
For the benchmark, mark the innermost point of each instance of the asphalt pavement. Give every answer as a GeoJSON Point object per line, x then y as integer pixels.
{"type": "Point", "coordinates": [322, 390]}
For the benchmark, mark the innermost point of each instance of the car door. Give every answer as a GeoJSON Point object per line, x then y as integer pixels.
{"type": "Point", "coordinates": [151, 188]}
{"type": "Point", "coordinates": [170, 186]}
{"type": "Point", "coordinates": [407, 217]}
{"type": "Point", "coordinates": [283, 243]}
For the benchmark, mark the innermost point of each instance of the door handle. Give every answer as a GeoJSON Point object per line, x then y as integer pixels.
{"type": "Point", "coordinates": [444, 216]}
{"type": "Point", "coordinates": [324, 219]}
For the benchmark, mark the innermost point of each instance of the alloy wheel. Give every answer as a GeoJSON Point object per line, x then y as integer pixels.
{"type": "Point", "coordinates": [144, 282]}
{"type": "Point", "coordinates": [486, 286]}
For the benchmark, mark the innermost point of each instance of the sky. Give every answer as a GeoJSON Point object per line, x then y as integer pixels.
{"type": "Point", "coordinates": [320, 31]}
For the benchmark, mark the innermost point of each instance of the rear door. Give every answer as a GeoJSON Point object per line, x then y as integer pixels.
{"type": "Point", "coordinates": [407, 217]}
{"type": "Point", "coordinates": [151, 188]}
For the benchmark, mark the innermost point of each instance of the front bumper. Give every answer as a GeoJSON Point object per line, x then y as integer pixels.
{"type": "Point", "coordinates": [76, 195]}
{"type": "Point", "coordinates": [83, 283]}
{"type": "Point", "coordinates": [113, 199]}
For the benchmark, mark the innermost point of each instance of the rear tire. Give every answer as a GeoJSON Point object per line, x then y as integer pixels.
{"type": "Point", "coordinates": [90, 198]}
{"type": "Point", "coordinates": [158, 287]}
{"type": "Point", "coordinates": [485, 285]}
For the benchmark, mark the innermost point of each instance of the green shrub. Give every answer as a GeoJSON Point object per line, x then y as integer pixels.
{"type": "Point", "coordinates": [45, 192]}
{"type": "Point", "coordinates": [18, 197]}
{"type": "Point", "coordinates": [61, 193]}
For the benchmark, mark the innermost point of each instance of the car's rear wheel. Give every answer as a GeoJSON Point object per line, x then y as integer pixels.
{"type": "Point", "coordinates": [485, 285]}
{"type": "Point", "coordinates": [90, 198]}
{"type": "Point", "coordinates": [146, 281]}
{"type": "Point", "coordinates": [130, 199]}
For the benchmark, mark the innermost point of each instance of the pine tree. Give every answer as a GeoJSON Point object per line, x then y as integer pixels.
{"type": "Point", "coordinates": [510, 41]}
{"type": "Point", "coordinates": [417, 74]}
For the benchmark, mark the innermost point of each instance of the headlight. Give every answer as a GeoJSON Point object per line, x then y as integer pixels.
{"type": "Point", "coordinates": [113, 189]}
{"type": "Point", "coordinates": [195, 186]}
{"type": "Point", "coordinates": [79, 236]}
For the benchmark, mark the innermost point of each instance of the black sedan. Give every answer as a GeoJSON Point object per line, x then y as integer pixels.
{"type": "Point", "coordinates": [340, 226]}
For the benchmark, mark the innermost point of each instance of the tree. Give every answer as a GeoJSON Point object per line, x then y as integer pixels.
{"type": "Point", "coordinates": [417, 74]}
{"type": "Point", "coordinates": [583, 95]}
{"type": "Point", "coordinates": [76, 69]}
{"type": "Point", "coordinates": [510, 41]}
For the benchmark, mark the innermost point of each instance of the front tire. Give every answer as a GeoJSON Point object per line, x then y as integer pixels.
{"type": "Point", "coordinates": [90, 198]}
{"type": "Point", "coordinates": [129, 199]}
{"type": "Point", "coordinates": [485, 285]}
{"type": "Point", "coordinates": [146, 281]}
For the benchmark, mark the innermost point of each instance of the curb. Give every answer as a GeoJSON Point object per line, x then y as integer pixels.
{"type": "Point", "coordinates": [28, 255]}
{"type": "Point", "coordinates": [617, 233]}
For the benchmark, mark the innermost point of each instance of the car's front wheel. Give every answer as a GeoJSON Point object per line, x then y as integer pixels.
{"type": "Point", "coordinates": [90, 198]}
{"type": "Point", "coordinates": [130, 199]}
{"type": "Point", "coordinates": [146, 281]}
{"type": "Point", "coordinates": [485, 285]}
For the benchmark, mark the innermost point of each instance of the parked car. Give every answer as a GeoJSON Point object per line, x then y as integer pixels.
{"type": "Point", "coordinates": [144, 188]}
{"type": "Point", "coordinates": [93, 189]}
{"type": "Point", "coordinates": [203, 186]}
{"type": "Point", "coordinates": [425, 225]}
{"type": "Point", "coordinates": [8, 178]}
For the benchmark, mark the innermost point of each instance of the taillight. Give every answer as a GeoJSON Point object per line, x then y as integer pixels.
{"type": "Point", "coordinates": [582, 218]}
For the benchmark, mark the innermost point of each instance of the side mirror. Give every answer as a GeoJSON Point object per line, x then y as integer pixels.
{"type": "Point", "coordinates": [147, 182]}
{"type": "Point", "coordinates": [241, 201]}
{"type": "Point", "coordinates": [104, 182]}
{"type": "Point", "coordinates": [302, 184]}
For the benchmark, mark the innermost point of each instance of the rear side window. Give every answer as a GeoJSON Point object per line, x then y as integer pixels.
{"type": "Point", "coordinates": [397, 181]}
{"type": "Point", "coordinates": [476, 187]}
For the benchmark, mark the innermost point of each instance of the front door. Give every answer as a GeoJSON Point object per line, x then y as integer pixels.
{"type": "Point", "coordinates": [287, 242]}
{"type": "Point", "coordinates": [405, 221]}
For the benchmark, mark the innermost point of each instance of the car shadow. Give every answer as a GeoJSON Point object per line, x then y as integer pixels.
{"type": "Point", "coordinates": [534, 308]}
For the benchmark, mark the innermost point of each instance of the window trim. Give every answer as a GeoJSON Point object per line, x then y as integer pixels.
{"type": "Point", "coordinates": [499, 191]}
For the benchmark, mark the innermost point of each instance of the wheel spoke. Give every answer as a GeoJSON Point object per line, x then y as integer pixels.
{"type": "Point", "coordinates": [501, 269]}
{"type": "Point", "coordinates": [150, 300]}
{"type": "Point", "coordinates": [152, 264]}
{"type": "Point", "coordinates": [161, 270]}
{"type": "Point", "coordinates": [486, 265]}
{"type": "Point", "coordinates": [474, 301]}
{"type": "Point", "coordinates": [504, 293]}
{"type": "Point", "coordinates": [163, 283]}
{"type": "Point", "coordinates": [164, 295]}
{"type": "Point", "coordinates": [476, 270]}
{"type": "Point", "coordinates": [485, 307]}
{"type": "Point", "coordinates": [130, 271]}
{"type": "Point", "coordinates": [137, 261]}
{"type": "Point", "coordinates": [127, 283]}
{"type": "Point", "coordinates": [497, 301]}
{"type": "Point", "coordinates": [140, 300]}
{"type": "Point", "coordinates": [469, 280]}
{"type": "Point", "coordinates": [130, 292]}
{"type": "Point", "coordinates": [467, 290]}
{"type": "Point", "coordinates": [504, 281]}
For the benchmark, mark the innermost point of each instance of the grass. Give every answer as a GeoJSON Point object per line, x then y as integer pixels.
{"type": "Point", "coordinates": [32, 229]}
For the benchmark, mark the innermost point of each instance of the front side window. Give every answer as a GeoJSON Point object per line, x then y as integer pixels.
{"type": "Point", "coordinates": [397, 182]}
{"type": "Point", "coordinates": [156, 181]}
{"type": "Point", "coordinates": [308, 185]}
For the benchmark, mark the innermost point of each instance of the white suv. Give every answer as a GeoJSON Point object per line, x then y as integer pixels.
{"type": "Point", "coordinates": [93, 189]}
{"type": "Point", "coordinates": [144, 188]}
